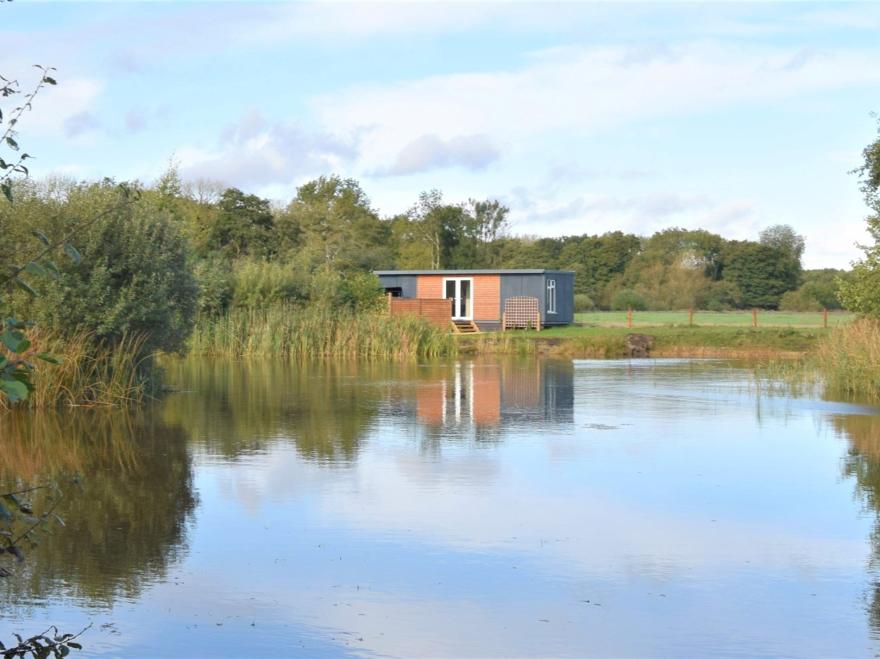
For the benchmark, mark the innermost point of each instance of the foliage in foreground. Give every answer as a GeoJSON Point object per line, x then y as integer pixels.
{"type": "Point", "coordinates": [86, 372]}
{"type": "Point", "coordinates": [861, 292]}
{"type": "Point", "coordinates": [849, 359]}
{"type": "Point", "coordinates": [317, 331]}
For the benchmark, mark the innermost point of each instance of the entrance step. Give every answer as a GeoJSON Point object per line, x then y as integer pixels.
{"type": "Point", "coordinates": [465, 327]}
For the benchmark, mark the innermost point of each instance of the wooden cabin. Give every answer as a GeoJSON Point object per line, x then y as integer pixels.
{"type": "Point", "coordinates": [484, 299]}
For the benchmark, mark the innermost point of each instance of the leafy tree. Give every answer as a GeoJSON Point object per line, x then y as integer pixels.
{"type": "Point", "coordinates": [598, 260]}
{"type": "Point", "coordinates": [861, 292]}
{"type": "Point", "coordinates": [628, 299]}
{"type": "Point", "coordinates": [134, 277]}
{"type": "Point", "coordinates": [242, 225]}
{"type": "Point", "coordinates": [336, 226]}
{"type": "Point", "coordinates": [762, 273]}
{"type": "Point", "coordinates": [819, 291]}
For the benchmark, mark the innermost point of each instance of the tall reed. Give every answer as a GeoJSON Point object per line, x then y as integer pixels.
{"type": "Point", "coordinates": [849, 358]}
{"type": "Point", "coordinates": [317, 331]}
{"type": "Point", "coordinates": [89, 373]}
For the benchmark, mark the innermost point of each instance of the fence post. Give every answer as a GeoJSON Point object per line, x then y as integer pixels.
{"type": "Point", "coordinates": [629, 318]}
{"type": "Point", "coordinates": [691, 317]}
{"type": "Point", "coordinates": [388, 295]}
{"type": "Point", "coordinates": [754, 317]}
{"type": "Point", "coordinates": [538, 321]}
{"type": "Point", "coordinates": [504, 322]}
{"type": "Point", "coordinates": [825, 318]}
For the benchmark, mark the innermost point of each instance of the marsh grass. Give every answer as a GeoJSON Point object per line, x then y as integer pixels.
{"type": "Point", "coordinates": [849, 359]}
{"type": "Point", "coordinates": [317, 332]}
{"type": "Point", "coordinates": [89, 373]}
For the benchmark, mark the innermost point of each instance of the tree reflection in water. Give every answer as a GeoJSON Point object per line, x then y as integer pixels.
{"type": "Point", "coordinates": [863, 463]}
{"type": "Point", "coordinates": [124, 520]}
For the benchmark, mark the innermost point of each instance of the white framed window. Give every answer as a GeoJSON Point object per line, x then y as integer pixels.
{"type": "Point", "coordinates": [551, 296]}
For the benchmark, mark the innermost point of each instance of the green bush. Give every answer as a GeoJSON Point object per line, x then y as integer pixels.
{"type": "Point", "coordinates": [628, 299]}
{"type": "Point", "coordinates": [257, 283]}
{"type": "Point", "coordinates": [800, 300]}
{"type": "Point", "coordinates": [360, 291]}
{"type": "Point", "coordinates": [134, 277]}
{"type": "Point", "coordinates": [215, 286]}
{"type": "Point", "coordinates": [718, 296]}
{"type": "Point", "coordinates": [583, 303]}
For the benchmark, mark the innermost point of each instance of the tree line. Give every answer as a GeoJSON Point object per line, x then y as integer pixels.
{"type": "Point", "coordinates": [173, 249]}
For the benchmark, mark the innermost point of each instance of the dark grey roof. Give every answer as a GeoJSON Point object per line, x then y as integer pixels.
{"type": "Point", "coordinates": [380, 273]}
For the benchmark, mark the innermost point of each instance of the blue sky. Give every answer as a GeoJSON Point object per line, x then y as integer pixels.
{"type": "Point", "coordinates": [583, 118]}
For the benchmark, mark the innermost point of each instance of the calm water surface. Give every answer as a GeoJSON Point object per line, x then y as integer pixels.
{"type": "Point", "coordinates": [486, 509]}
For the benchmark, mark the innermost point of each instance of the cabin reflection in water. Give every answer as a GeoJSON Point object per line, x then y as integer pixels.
{"type": "Point", "coordinates": [486, 395]}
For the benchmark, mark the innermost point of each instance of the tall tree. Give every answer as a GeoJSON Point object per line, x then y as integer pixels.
{"type": "Point", "coordinates": [337, 226]}
{"type": "Point", "coordinates": [861, 292]}
{"type": "Point", "coordinates": [242, 225]}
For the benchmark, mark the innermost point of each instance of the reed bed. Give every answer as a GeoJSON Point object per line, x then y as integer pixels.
{"type": "Point", "coordinates": [309, 332]}
{"type": "Point", "coordinates": [89, 373]}
{"type": "Point", "coordinates": [849, 359]}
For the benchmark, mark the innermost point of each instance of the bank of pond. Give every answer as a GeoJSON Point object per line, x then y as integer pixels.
{"type": "Point", "coordinates": [92, 372]}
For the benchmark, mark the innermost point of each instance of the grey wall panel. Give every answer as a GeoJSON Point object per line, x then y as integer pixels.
{"type": "Point", "coordinates": [407, 283]}
{"type": "Point", "coordinates": [531, 285]}
{"type": "Point", "coordinates": [564, 298]}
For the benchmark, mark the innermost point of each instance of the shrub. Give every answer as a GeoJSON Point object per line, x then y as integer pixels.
{"type": "Point", "coordinates": [360, 291]}
{"type": "Point", "coordinates": [215, 286]}
{"type": "Point", "coordinates": [582, 303]}
{"type": "Point", "coordinates": [258, 283]}
{"type": "Point", "coordinates": [628, 299]}
{"type": "Point", "coordinates": [133, 278]}
{"type": "Point", "coordinates": [718, 296]}
{"type": "Point", "coordinates": [799, 300]}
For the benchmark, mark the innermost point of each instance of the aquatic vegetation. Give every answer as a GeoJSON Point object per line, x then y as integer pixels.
{"type": "Point", "coordinates": [88, 373]}
{"type": "Point", "coordinates": [849, 358]}
{"type": "Point", "coordinates": [317, 331]}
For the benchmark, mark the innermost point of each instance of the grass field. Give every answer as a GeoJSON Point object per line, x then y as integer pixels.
{"type": "Point", "coordinates": [603, 334]}
{"type": "Point", "coordinates": [713, 318]}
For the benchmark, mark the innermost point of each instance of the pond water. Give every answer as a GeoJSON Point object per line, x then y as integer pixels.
{"type": "Point", "coordinates": [501, 508]}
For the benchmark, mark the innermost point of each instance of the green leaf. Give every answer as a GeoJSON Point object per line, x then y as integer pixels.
{"type": "Point", "coordinates": [6, 189]}
{"type": "Point", "coordinates": [23, 285]}
{"type": "Point", "coordinates": [12, 143]}
{"type": "Point", "coordinates": [41, 237]}
{"type": "Point", "coordinates": [15, 341]}
{"type": "Point", "coordinates": [34, 268]}
{"type": "Point", "coordinates": [46, 357]}
{"type": "Point", "coordinates": [72, 253]}
{"type": "Point", "coordinates": [14, 389]}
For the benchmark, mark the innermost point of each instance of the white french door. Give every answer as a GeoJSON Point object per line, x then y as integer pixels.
{"type": "Point", "coordinates": [460, 291]}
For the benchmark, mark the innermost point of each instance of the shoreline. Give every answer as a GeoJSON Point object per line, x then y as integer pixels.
{"type": "Point", "coordinates": [668, 341]}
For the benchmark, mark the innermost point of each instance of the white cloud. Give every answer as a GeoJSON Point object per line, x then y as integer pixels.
{"type": "Point", "coordinates": [257, 152]}
{"type": "Point", "coordinates": [429, 152]}
{"type": "Point", "coordinates": [581, 91]}
{"type": "Point", "coordinates": [68, 109]}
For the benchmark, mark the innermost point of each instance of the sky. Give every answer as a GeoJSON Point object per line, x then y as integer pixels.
{"type": "Point", "coordinates": [581, 118]}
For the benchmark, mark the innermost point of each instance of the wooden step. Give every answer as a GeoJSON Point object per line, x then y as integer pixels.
{"type": "Point", "coordinates": [465, 327]}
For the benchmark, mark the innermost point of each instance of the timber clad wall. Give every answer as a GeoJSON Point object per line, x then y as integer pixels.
{"type": "Point", "coordinates": [487, 297]}
{"type": "Point", "coordinates": [436, 312]}
{"type": "Point", "coordinates": [429, 287]}
{"type": "Point", "coordinates": [486, 293]}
